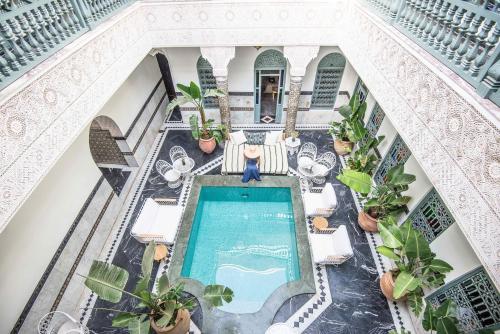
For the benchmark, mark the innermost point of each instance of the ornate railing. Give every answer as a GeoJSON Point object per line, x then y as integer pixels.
{"type": "Point", "coordinates": [463, 35]}
{"type": "Point", "coordinates": [32, 30]}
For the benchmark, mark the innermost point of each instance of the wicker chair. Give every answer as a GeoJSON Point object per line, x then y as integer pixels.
{"type": "Point", "coordinates": [307, 155]}
{"type": "Point", "coordinates": [176, 153]}
{"type": "Point", "coordinates": [168, 172]}
{"type": "Point", "coordinates": [324, 164]}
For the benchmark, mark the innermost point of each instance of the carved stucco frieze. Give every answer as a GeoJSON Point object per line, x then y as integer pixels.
{"type": "Point", "coordinates": [458, 147]}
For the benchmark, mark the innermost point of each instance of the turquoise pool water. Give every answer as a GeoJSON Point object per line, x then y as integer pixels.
{"type": "Point", "coordinates": [243, 238]}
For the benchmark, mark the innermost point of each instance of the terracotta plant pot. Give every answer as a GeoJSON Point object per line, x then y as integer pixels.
{"type": "Point", "coordinates": [387, 286]}
{"type": "Point", "coordinates": [181, 324]}
{"type": "Point", "coordinates": [342, 147]}
{"type": "Point", "coordinates": [207, 145]}
{"type": "Point", "coordinates": [367, 222]}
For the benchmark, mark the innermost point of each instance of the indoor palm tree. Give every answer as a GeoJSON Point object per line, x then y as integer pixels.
{"type": "Point", "coordinates": [206, 134]}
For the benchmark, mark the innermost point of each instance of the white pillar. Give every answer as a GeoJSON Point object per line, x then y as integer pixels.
{"type": "Point", "coordinates": [298, 57]}
{"type": "Point", "coordinates": [219, 58]}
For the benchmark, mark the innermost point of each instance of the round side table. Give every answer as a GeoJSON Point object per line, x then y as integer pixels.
{"type": "Point", "coordinates": [320, 223]}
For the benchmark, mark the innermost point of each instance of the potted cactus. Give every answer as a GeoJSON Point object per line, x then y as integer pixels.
{"type": "Point", "coordinates": [166, 311]}
{"type": "Point", "coordinates": [206, 134]}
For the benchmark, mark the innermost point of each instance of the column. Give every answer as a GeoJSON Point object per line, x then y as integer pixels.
{"type": "Point", "coordinates": [298, 57]}
{"type": "Point", "coordinates": [219, 58]}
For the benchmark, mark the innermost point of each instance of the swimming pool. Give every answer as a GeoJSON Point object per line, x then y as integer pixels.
{"type": "Point", "coordinates": [243, 238]}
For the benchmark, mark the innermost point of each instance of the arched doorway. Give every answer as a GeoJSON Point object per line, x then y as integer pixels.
{"type": "Point", "coordinates": [110, 152]}
{"type": "Point", "coordinates": [270, 69]}
{"type": "Point", "coordinates": [327, 82]}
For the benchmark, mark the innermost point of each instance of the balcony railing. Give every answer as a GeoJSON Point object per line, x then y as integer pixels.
{"type": "Point", "coordinates": [463, 35]}
{"type": "Point", "coordinates": [32, 30]}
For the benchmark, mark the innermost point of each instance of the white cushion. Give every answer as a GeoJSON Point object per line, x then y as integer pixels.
{"type": "Point", "coordinates": [331, 245]}
{"type": "Point", "coordinates": [329, 197]}
{"type": "Point", "coordinates": [341, 242]}
{"type": "Point", "coordinates": [273, 137]}
{"type": "Point", "coordinates": [238, 137]}
{"type": "Point", "coordinates": [172, 175]}
{"type": "Point", "coordinates": [157, 222]}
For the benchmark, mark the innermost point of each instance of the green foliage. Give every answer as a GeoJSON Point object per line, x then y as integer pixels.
{"type": "Point", "coordinates": [351, 127]}
{"type": "Point", "coordinates": [108, 282]}
{"type": "Point", "coordinates": [442, 319]}
{"type": "Point", "coordinates": [215, 294]}
{"type": "Point", "coordinates": [386, 199]}
{"type": "Point", "coordinates": [192, 94]}
{"type": "Point", "coordinates": [416, 265]}
{"type": "Point", "coordinates": [364, 158]}
{"type": "Point", "coordinates": [358, 181]}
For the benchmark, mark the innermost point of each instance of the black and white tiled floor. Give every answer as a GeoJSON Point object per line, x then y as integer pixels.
{"type": "Point", "coordinates": [348, 297]}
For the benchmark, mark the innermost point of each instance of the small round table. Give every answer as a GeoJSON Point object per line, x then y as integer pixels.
{"type": "Point", "coordinates": [161, 252]}
{"type": "Point", "coordinates": [183, 166]}
{"type": "Point", "coordinates": [292, 146]}
{"type": "Point", "coordinates": [320, 223]}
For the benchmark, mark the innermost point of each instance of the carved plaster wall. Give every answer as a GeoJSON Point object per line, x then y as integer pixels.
{"type": "Point", "coordinates": [43, 112]}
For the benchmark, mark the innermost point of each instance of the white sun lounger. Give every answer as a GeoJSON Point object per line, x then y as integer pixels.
{"type": "Point", "coordinates": [157, 221]}
{"type": "Point", "coordinates": [320, 204]}
{"type": "Point", "coordinates": [331, 248]}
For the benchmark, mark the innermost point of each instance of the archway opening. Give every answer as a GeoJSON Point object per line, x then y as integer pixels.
{"type": "Point", "coordinates": [327, 82]}
{"type": "Point", "coordinates": [270, 69]}
{"type": "Point", "coordinates": [110, 152]}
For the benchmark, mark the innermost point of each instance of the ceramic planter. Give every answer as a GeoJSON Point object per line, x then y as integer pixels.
{"type": "Point", "coordinates": [387, 286]}
{"type": "Point", "coordinates": [181, 324]}
{"type": "Point", "coordinates": [342, 147]}
{"type": "Point", "coordinates": [367, 222]}
{"type": "Point", "coordinates": [207, 145]}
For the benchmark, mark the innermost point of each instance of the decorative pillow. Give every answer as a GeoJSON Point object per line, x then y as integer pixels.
{"type": "Point", "coordinates": [255, 138]}
{"type": "Point", "coordinates": [238, 137]}
{"type": "Point", "coordinates": [273, 137]}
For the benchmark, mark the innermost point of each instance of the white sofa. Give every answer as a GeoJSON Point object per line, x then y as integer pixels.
{"type": "Point", "coordinates": [157, 221]}
{"type": "Point", "coordinates": [320, 204]}
{"type": "Point", "coordinates": [273, 159]}
{"type": "Point", "coordinates": [331, 248]}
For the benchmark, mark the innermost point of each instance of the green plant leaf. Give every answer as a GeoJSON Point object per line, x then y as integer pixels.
{"type": "Point", "coordinates": [194, 90]}
{"type": "Point", "coordinates": [387, 252]}
{"type": "Point", "coordinates": [138, 326]}
{"type": "Point", "coordinates": [185, 90]}
{"type": "Point", "coordinates": [395, 171]}
{"type": "Point", "coordinates": [167, 312]}
{"type": "Point", "coordinates": [416, 247]}
{"type": "Point", "coordinates": [405, 282]}
{"type": "Point", "coordinates": [428, 318]}
{"type": "Point", "coordinates": [440, 266]}
{"type": "Point", "coordinates": [213, 93]}
{"type": "Point", "coordinates": [147, 260]}
{"type": "Point", "coordinates": [416, 302]}
{"type": "Point", "coordinates": [391, 235]}
{"type": "Point", "coordinates": [142, 284]}
{"type": "Point", "coordinates": [195, 130]}
{"type": "Point", "coordinates": [163, 284]}
{"type": "Point", "coordinates": [345, 111]}
{"type": "Point", "coordinates": [106, 280]}
{"type": "Point", "coordinates": [358, 131]}
{"type": "Point", "coordinates": [122, 319]}
{"type": "Point", "coordinates": [215, 294]}
{"type": "Point", "coordinates": [403, 179]}
{"type": "Point", "coordinates": [358, 181]}
{"type": "Point", "coordinates": [446, 326]}
{"type": "Point", "coordinates": [178, 101]}
{"type": "Point", "coordinates": [446, 309]}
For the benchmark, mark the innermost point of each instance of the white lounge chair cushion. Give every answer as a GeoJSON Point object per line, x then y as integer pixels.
{"type": "Point", "coordinates": [238, 137]}
{"type": "Point", "coordinates": [273, 137]}
{"type": "Point", "coordinates": [273, 159]}
{"type": "Point", "coordinates": [158, 222]}
{"type": "Point", "coordinates": [326, 247]}
{"type": "Point", "coordinates": [326, 200]}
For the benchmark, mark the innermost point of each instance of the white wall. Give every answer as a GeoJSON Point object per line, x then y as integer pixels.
{"type": "Point", "coordinates": [386, 129]}
{"type": "Point", "coordinates": [35, 232]}
{"type": "Point", "coordinates": [422, 185]}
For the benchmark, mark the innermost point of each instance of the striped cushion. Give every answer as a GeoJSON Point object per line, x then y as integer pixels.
{"type": "Point", "coordinates": [273, 159]}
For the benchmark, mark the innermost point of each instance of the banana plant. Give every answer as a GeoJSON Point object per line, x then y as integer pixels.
{"type": "Point", "coordinates": [416, 265]}
{"type": "Point", "coordinates": [364, 158]}
{"type": "Point", "coordinates": [442, 320]}
{"type": "Point", "coordinates": [351, 127]}
{"type": "Point", "coordinates": [192, 94]}
{"type": "Point", "coordinates": [208, 129]}
{"type": "Point", "coordinates": [108, 282]}
{"type": "Point", "coordinates": [358, 181]}
{"type": "Point", "coordinates": [386, 199]}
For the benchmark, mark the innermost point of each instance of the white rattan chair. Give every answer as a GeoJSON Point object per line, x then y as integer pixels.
{"type": "Point", "coordinates": [324, 164]}
{"type": "Point", "coordinates": [331, 248]}
{"type": "Point", "coordinates": [176, 153]}
{"type": "Point", "coordinates": [168, 172]}
{"type": "Point", "coordinates": [306, 155]}
{"type": "Point", "coordinates": [58, 322]}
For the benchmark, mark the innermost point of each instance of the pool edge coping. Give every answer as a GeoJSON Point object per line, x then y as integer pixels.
{"type": "Point", "coordinates": [215, 320]}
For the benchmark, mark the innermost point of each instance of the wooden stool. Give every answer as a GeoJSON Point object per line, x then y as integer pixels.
{"type": "Point", "coordinates": [161, 252]}
{"type": "Point", "coordinates": [320, 223]}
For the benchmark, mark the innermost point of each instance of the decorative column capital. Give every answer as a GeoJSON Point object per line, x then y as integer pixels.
{"type": "Point", "coordinates": [155, 51]}
{"type": "Point", "coordinates": [219, 57]}
{"type": "Point", "coordinates": [299, 57]}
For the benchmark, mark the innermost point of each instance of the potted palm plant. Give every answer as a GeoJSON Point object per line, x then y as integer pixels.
{"type": "Point", "coordinates": [166, 311]}
{"type": "Point", "coordinates": [207, 136]}
{"type": "Point", "coordinates": [416, 268]}
{"type": "Point", "coordinates": [350, 130]}
{"type": "Point", "coordinates": [364, 159]}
